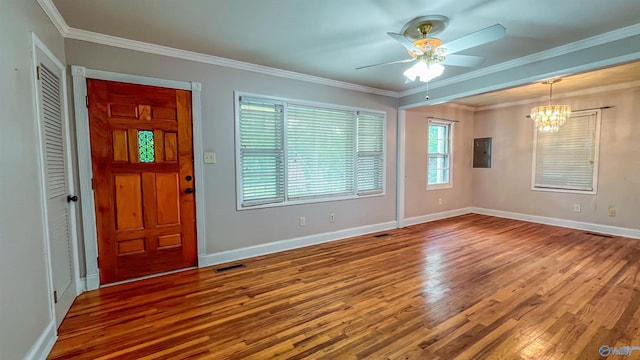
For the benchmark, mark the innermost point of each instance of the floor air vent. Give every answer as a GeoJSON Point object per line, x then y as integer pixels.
{"type": "Point", "coordinates": [230, 267]}
{"type": "Point", "coordinates": [380, 235]}
{"type": "Point", "coordinates": [597, 234]}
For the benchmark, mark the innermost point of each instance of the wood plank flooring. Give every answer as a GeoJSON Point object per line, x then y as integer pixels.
{"type": "Point", "coordinates": [470, 287]}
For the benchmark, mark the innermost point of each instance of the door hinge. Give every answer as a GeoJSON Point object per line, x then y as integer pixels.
{"type": "Point", "coordinates": [98, 262]}
{"type": "Point", "coordinates": [86, 98]}
{"type": "Point", "coordinates": [55, 297]}
{"type": "Point", "coordinates": [91, 183]}
{"type": "Point", "coordinates": [38, 72]}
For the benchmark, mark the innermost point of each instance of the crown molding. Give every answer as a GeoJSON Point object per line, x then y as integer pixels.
{"type": "Point", "coordinates": [54, 15]}
{"type": "Point", "coordinates": [591, 91]}
{"type": "Point", "coordinates": [459, 106]}
{"type": "Point", "coordinates": [596, 40]}
{"type": "Point", "coordinates": [78, 34]}
{"type": "Point", "coordinates": [89, 36]}
{"type": "Point", "coordinates": [451, 105]}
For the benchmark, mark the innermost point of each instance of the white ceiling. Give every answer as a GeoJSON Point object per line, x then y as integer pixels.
{"type": "Point", "coordinates": [330, 38]}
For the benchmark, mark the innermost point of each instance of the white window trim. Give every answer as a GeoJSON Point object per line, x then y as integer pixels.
{"type": "Point", "coordinates": [450, 124]}
{"type": "Point", "coordinates": [239, 207]}
{"type": "Point", "coordinates": [596, 160]}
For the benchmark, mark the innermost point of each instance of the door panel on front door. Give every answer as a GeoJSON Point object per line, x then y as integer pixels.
{"type": "Point", "coordinates": [141, 147]}
{"type": "Point", "coordinates": [167, 194]}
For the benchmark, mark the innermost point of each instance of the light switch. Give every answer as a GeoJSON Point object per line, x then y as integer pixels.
{"type": "Point", "coordinates": [209, 158]}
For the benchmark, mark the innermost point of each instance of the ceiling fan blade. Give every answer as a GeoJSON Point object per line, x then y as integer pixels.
{"type": "Point", "coordinates": [386, 63]}
{"type": "Point", "coordinates": [463, 60]}
{"type": "Point", "coordinates": [405, 42]}
{"type": "Point", "coordinates": [487, 35]}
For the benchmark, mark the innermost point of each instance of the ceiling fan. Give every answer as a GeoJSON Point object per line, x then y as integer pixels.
{"type": "Point", "coordinates": [431, 54]}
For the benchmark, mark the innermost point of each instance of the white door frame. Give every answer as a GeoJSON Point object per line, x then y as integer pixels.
{"type": "Point", "coordinates": [80, 76]}
{"type": "Point", "coordinates": [38, 45]}
{"type": "Point", "coordinates": [400, 164]}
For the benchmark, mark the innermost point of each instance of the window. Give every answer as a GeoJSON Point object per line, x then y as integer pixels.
{"type": "Point", "coordinates": [567, 160]}
{"type": "Point", "coordinates": [439, 154]}
{"type": "Point", "coordinates": [320, 156]}
{"type": "Point", "coordinates": [370, 149]}
{"type": "Point", "coordinates": [261, 153]}
{"type": "Point", "coordinates": [295, 152]}
{"type": "Point", "coordinates": [146, 148]}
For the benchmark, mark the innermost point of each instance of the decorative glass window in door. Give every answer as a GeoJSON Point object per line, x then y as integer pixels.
{"type": "Point", "coordinates": [146, 149]}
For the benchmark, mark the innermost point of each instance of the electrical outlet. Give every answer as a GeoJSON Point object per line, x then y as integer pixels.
{"type": "Point", "coordinates": [612, 211]}
{"type": "Point", "coordinates": [303, 221]}
{"type": "Point", "coordinates": [577, 208]}
{"type": "Point", "coordinates": [332, 217]}
{"type": "Point", "coordinates": [440, 201]}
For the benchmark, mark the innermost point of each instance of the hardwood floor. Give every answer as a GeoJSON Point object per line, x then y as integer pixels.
{"type": "Point", "coordinates": [469, 287]}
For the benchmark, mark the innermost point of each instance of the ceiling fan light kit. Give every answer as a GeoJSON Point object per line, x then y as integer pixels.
{"type": "Point", "coordinates": [424, 71]}
{"type": "Point", "coordinates": [431, 54]}
{"type": "Point", "coordinates": [428, 66]}
{"type": "Point", "coordinates": [550, 118]}
{"type": "Point", "coordinates": [428, 45]}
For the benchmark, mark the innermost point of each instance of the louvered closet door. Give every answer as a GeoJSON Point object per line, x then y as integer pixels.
{"type": "Point", "coordinates": [52, 128]}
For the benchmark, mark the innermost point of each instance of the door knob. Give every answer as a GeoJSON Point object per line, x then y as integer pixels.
{"type": "Point", "coordinates": [73, 198]}
{"type": "Point", "coordinates": [189, 191]}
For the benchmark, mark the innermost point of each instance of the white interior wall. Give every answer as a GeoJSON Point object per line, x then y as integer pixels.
{"type": "Point", "coordinates": [24, 304]}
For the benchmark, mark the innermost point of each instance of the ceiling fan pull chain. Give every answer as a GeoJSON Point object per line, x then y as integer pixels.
{"type": "Point", "coordinates": [426, 98]}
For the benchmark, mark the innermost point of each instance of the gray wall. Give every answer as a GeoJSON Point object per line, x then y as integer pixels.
{"type": "Point", "coordinates": [507, 185]}
{"type": "Point", "coordinates": [419, 201]}
{"type": "Point", "coordinates": [226, 228]}
{"type": "Point", "coordinates": [24, 308]}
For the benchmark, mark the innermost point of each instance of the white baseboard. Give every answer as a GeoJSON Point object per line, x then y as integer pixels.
{"type": "Point", "coordinates": [42, 347]}
{"type": "Point", "coordinates": [82, 286]}
{"type": "Point", "coordinates": [604, 229]}
{"type": "Point", "coordinates": [436, 216]}
{"type": "Point", "coordinates": [92, 281]}
{"type": "Point", "coordinates": [290, 244]}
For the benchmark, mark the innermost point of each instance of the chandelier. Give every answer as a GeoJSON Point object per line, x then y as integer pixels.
{"type": "Point", "coordinates": [550, 118]}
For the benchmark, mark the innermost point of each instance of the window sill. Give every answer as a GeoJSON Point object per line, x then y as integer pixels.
{"type": "Point", "coordinates": [308, 201]}
{"type": "Point", "coordinates": [569, 191]}
{"type": "Point", "coordinates": [439, 186]}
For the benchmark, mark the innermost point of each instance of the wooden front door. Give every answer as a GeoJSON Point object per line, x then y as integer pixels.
{"type": "Point", "coordinates": [142, 157]}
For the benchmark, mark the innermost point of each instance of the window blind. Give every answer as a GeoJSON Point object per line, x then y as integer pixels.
{"type": "Point", "coordinates": [320, 152]}
{"type": "Point", "coordinates": [565, 160]}
{"type": "Point", "coordinates": [370, 154]}
{"type": "Point", "coordinates": [261, 127]}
